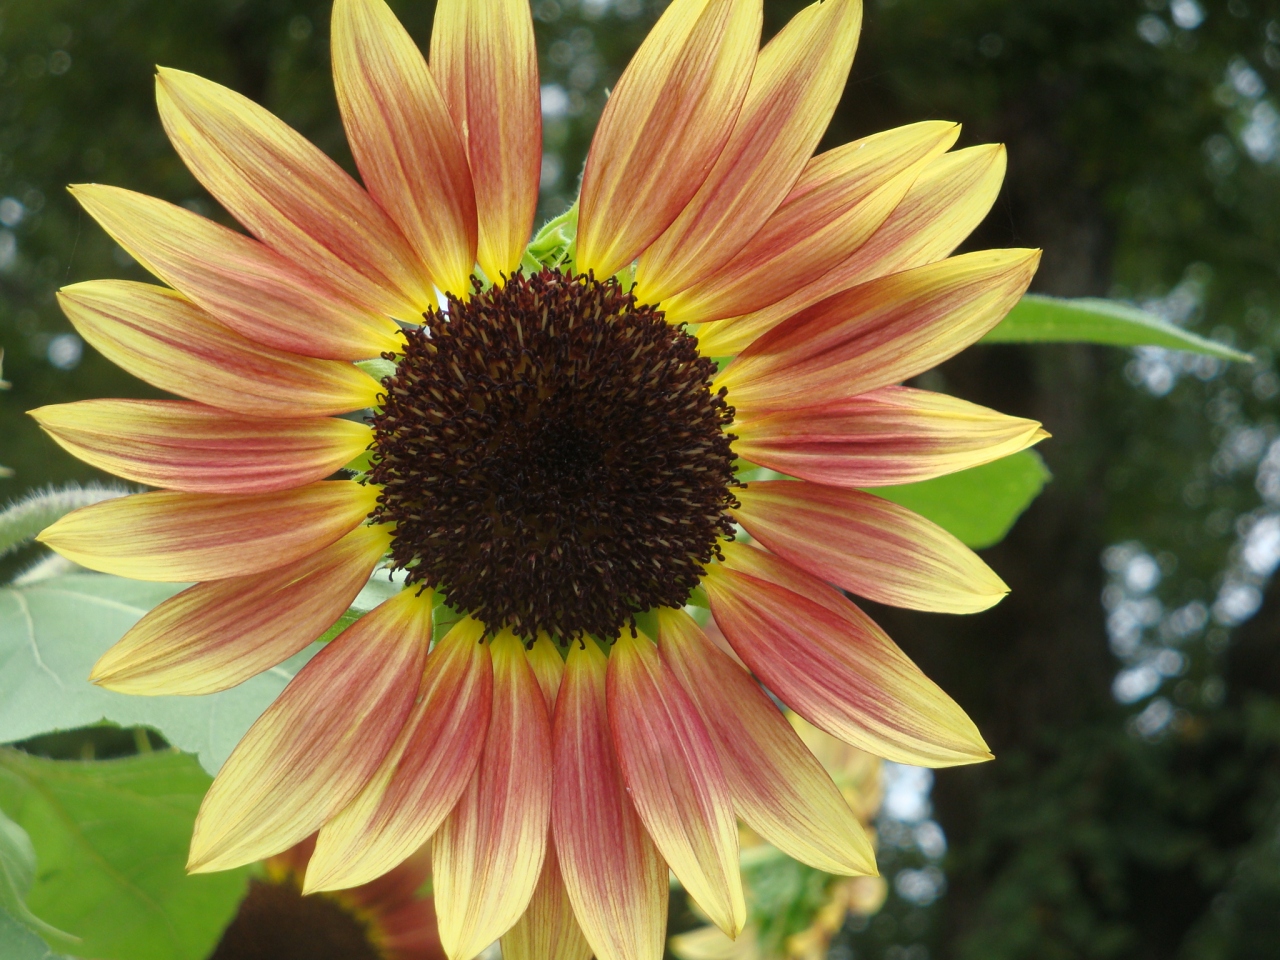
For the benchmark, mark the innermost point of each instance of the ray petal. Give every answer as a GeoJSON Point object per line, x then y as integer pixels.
{"type": "Point", "coordinates": [403, 139]}
{"type": "Point", "coordinates": [887, 436]}
{"type": "Point", "coordinates": [485, 59]}
{"type": "Point", "coordinates": [238, 280]}
{"type": "Point", "coordinates": [199, 449]}
{"type": "Point", "coordinates": [547, 930]}
{"type": "Point", "coordinates": [943, 206]}
{"type": "Point", "coordinates": [663, 127]}
{"type": "Point", "coordinates": [175, 537]}
{"type": "Point", "coordinates": [673, 774]}
{"type": "Point", "coordinates": [615, 878]}
{"type": "Point", "coordinates": [868, 546]}
{"type": "Point", "coordinates": [291, 196]}
{"type": "Point", "coordinates": [161, 337]}
{"type": "Point", "coordinates": [318, 744]}
{"type": "Point", "coordinates": [779, 788]}
{"type": "Point", "coordinates": [795, 87]}
{"type": "Point", "coordinates": [422, 776]}
{"type": "Point", "coordinates": [841, 198]}
{"type": "Point", "coordinates": [829, 663]}
{"type": "Point", "coordinates": [215, 635]}
{"type": "Point", "coordinates": [880, 332]}
{"type": "Point", "coordinates": [487, 855]}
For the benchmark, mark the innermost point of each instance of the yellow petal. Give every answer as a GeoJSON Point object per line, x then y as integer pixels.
{"type": "Point", "coordinates": [423, 774]}
{"type": "Point", "coordinates": [243, 283]}
{"type": "Point", "coordinates": [827, 661]}
{"type": "Point", "coordinates": [404, 142]}
{"type": "Point", "coordinates": [868, 546]}
{"type": "Point", "coordinates": [198, 449]}
{"type": "Point", "coordinates": [950, 198]}
{"type": "Point", "coordinates": [880, 332]}
{"type": "Point", "coordinates": [779, 788]}
{"type": "Point", "coordinates": [487, 856]}
{"type": "Point", "coordinates": [485, 59]}
{"type": "Point", "coordinates": [291, 196]}
{"type": "Point", "coordinates": [674, 777]}
{"type": "Point", "coordinates": [663, 127]}
{"type": "Point", "coordinates": [841, 198]}
{"type": "Point", "coordinates": [215, 635]}
{"type": "Point", "coordinates": [797, 83]}
{"type": "Point", "coordinates": [612, 872]}
{"type": "Point", "coordinates": [175, 537]}
{"type": "Point", "coordinates": [161, 337]}
{"type": "Point", "coordinates": [884, 437]}
{"type": "Point", "coordinates": [548, 929]}
{"type": "Point", "coordinates": [318, 744]}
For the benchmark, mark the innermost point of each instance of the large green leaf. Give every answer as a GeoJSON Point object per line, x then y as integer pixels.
{"type": "Point", "coordinates": [17, 942]}
{"type": "Point", "coordinates": [111, 841]}
{"type": "Point", "coordinates": [53, 630]}
{"type": "Point", "coordinates": [1040, 319]}
{"type": "Point", "coordinates": [977, 505]}
{"type": "Point", "coordinates": [17, 872]}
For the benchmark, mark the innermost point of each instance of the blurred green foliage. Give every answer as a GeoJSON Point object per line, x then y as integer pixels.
{"type": "Point", "coordinates": [1129, 813]}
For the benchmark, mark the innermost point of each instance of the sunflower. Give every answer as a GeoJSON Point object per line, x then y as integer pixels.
{"type": "Point", "coordinates": [390, 918]}
{"type": "Point", "coordinates": [554, 445]}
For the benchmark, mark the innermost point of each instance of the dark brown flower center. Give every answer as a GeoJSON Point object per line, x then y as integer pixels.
{"type": "Point", "coordinates": [553, 458]}
{"type": "Point", "coordinates": [276, 922]}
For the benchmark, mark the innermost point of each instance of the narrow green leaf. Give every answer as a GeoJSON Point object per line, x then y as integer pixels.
{"type": "Point", "coordinates": [978, 505]}
{"type": "Point", "coordinates": [111, 838]}
{"type": "Point", "coordinates": [1040, 319]}
{"type": "Point", "coordinates": [53, 630]}
{"type": "Point", "coordinates": [17, 872]}
{"type": "Point", "coordinates": [21, 521]}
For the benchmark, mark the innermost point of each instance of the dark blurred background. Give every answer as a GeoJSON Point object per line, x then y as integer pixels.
{"type": "Point", "coordinates": [1130, 686]}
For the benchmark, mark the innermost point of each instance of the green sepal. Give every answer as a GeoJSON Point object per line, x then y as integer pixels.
{"type": "Point", "coordinates": [555, 245]}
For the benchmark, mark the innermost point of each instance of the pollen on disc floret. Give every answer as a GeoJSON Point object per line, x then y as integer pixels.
{"type": "Point", "coordinates": [553, 458]}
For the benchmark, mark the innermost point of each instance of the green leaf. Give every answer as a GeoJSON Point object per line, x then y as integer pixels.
{"type": "Point", "coordinates": [111, 839]}
{"type": "Point", "coordinates": [978, 505]}
{"type": "Point", "coordinates": [1040, 319]}
{"type": "Point", "coordinates": [17, 871]}
{"type": "Point", "coordinates": [53, 630]}
{"type": "Point", "coordinates": [21, 521]}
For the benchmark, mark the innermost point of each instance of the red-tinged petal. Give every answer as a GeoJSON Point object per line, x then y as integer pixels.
{"type": "Point", "coordinates": [888, 436]}
{"type": "Point", "coordinates": [423, 774]}
{"type": "Point", "coordinates": [548, 667]}
{"type": "Point", "coordinates": [488, 853]}
{"type": "Point", "coordinates": [673, 774]}
{"type": "Point", "coordinates": [217, 634]}
{"type": "Point", "coordinates": [198, 449]}
{"type": "Point", "coordinates": [840, 199]}
{"type": "Point", "coordinates": [868, 546]}
{"type": "Point", "coordinates": [950, 198]}
{"type": "Point", "coordinates": [612, 872]}
{"type": "Point", "coordinates": [164, 339]}
{"type": "Point", "coordinates": [174, 537]}
{"type": "Point", "coordinates": [485, 59]}
{"type": "Point", "coordinates": [829, 663]}
{"type": "Point", "coordinates": [318, 744]}
{"type": "Point", "coordinates": [291, 196]}
{"type": "Point", "coordinates": [664, 126]}
{"type": "Point", "coordinates": [880, 332]}
{"type": "Point", "coordinates": [243, 283]}
{"type": "Point", "coordinates": [548, 930]}
{"type": "Point", "coordinates": [403, 139]}
{"type": "Point", "coordinates": [797, 83]}
{"type": "Point", "coordinates": [779, 788]}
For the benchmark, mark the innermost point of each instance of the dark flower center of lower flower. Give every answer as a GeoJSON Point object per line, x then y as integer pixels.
{"type": "Point", "coordinates": [276, 922]}
{"type": "Point", "coordinates": [553, 458]}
